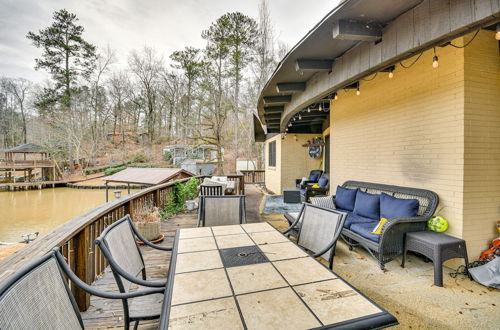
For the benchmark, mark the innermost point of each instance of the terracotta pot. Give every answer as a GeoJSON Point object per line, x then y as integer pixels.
{"type": "Point", "coordinates": [150, 230]}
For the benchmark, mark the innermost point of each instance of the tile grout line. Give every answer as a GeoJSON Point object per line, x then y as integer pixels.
{"type": "Point", "coordinates": [242, 319]}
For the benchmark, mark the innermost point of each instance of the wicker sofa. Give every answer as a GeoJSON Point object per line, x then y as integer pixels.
{"type": "Point", "coordinates": [391, 240]}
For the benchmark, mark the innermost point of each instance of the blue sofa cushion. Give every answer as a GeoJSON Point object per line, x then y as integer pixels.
{"type": "Point", "coordinates": [345, 198]}
{"type": "Point", "coordinates": [323, 182]}
{"type": "Point", "coordinates": [392, 207]}
{"type": "Point", "coordinates": [303, 192]}
{"type": "Point", "coordinates": [354, 218]}
{"type": "Point", "coordinates": [365, 230]}
{"type": "Point", "coordinates": [313, 177]}
{"type": "Point", "coordinates": [367, 205]}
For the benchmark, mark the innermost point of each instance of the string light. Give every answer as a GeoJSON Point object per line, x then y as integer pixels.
{"type": "Point", "coordinates": [497, 35]}
{"type": "Point", "coordinates": [308, 109]}
{"type": "Point", "coordinates": [320, 108]}
{"type": "Point", "coordinates": [293, 118]}
{"type": "Point", "coordinates": [289, 124]}
{"type": "Point", "coordinates": [300, 117]}
{"type": "Point", "coordinates": [435, 60]}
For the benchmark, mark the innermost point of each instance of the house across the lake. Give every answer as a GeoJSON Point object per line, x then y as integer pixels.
{"type": "Point", "coordinates": [403, 93]}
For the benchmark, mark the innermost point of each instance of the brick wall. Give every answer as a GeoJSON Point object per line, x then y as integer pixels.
{"type": "Point", "coordinates": [292, 162]}
{"type": "Point", "coordinates": [430, 128]}
{"type": "Point", "coordinates": [482, 142]}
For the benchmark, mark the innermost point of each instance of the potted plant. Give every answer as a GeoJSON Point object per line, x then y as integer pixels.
{"type": "Point", "coordinates": [147, 222]}
{"type": "Point", "coordinates": [189, 192]}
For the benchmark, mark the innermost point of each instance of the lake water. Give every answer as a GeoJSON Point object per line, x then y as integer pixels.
{"type": "Point", "coordinates": [23, 212]}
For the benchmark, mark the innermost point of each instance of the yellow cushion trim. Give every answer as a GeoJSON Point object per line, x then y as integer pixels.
{"type": "Point", "coordinates": [378, 229]}
{"type": "Point", "coordinates": [315, 186]}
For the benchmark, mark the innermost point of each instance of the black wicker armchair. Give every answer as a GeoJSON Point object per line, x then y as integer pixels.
{"type": "Point", "coordinates": [391, 242]}
{"type": "Point", "coordinates": [313, 178]}
{"type": "Point", "coordinates": [309, 190]}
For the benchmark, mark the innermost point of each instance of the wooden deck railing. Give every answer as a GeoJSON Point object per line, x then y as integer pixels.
{"type": "Point", "coordinates": [254, 176]}
{"type": "Point", "coordinates": [76, 236]}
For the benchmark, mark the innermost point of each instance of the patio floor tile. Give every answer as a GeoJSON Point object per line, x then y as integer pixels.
{"type": "Point", "coordinates": [293, 271]}
{"type": "Point", "coordinates": [213, 314]}
{"type": "Point", "coordinates": [260, 310]}
{"type": "Point", "coordinates": [281, 251]}
{"type": "Point", "coordinates": [196, 244]}
{"type": "Point", "coordinates": [203, 285]}
{"type": "Point", "coordinates": [231, 241]}
{"type": "Point", "coordinates": [253, 278]}
{"type": "Point", "coordinates": [227, 230]}
{"type": "Point", "coordinates": [327, 296]}
{"type": "Point", "coordinates": [194, 261]}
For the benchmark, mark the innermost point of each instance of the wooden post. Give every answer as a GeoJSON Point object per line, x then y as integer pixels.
{"type": "Point", "coordinates": [157, 198]}
{"type": "Point", "coordinates": [82, 267]}
{"type": "Point", "coordinates": [107, 198]}
{"type": "Point", "coordinates": [242, 183]}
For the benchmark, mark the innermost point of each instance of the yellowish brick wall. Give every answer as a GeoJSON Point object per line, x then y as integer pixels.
{"type": "Point", "coordinates": [437, 129]}
{"type": "Point", "coordinates": [292, 162]}
{"type": "Point", "coordinates": [406, 131]}
{"type": "Point", "coordinates": [482, 142]}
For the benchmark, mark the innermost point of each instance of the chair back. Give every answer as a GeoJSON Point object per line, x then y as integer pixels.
{"type": "Point", "coordinates": [323, 181]}
{"type": "Point", "coordinates": [320, 229]}
{"type": "Point", "coordinates": [211, 190]}
{"type": "Point", "coordinates": [315, 173]}
{"type": "Point", "coordinates": [121, 246]}
{"type": "Point", "coordinates": [222, 210]}
{"type": "Point", "coordinates": [38, 297]}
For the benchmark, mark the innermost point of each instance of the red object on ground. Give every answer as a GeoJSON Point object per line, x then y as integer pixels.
{"type": "Point", "coordinates": [158, 240]}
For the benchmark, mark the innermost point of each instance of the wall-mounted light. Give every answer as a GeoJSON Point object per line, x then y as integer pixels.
{"type": "Point", "coordinates": [435, 60]}
{"type": "Point", "coordinates": [118, 193]}
{"type": "Point", "coordinates": [497, 35]}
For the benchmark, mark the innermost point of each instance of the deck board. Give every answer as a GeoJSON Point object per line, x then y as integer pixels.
{"type": "Point", "coordinates": [106, 313]}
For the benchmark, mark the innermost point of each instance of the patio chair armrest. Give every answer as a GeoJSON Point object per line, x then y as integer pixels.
{"type": "Point", "coordinates": [116, 267]}
{"type": "Point", "coordinates": [109, 295]}
{"type": "Point", "coordinates": [294, 224]}
{"type": "Point", "coordinates": [395, 229]}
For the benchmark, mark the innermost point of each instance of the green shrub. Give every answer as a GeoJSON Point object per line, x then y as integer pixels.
{"type": "Point", "coordinates": [167, 156]}
{"type": "Point", "coordinates": [113, 170]}
{"type": "Point", "coordinates": [176, 200]}
{"type": "Point", "coordinates": [139, 157]}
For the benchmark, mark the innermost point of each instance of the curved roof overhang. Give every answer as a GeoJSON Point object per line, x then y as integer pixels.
{"type": "Point", "coordinates": [358, 38]}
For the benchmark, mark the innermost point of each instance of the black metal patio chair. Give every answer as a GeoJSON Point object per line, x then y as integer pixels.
{"type": "Point", "coordinates": [221, 210]}
{"type": "Point", "coordinates": [319, 230]}
{"type": "Point", "coordinates": [118, 244]}
{"type": "Point", "coordinates": [38, 296]}
{"type": "Point", "coordinates": [211, 190]}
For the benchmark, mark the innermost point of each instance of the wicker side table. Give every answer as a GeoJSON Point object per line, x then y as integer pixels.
{"type": "Point", "coordinates": [436, 246]}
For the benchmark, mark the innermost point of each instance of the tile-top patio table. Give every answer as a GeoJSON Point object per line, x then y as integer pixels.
{"type": "Point", "coordinates": [251, 276]}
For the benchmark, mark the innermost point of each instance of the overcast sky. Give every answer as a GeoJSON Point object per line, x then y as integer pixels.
{"type": "Point", "coordinates": [166, 25]}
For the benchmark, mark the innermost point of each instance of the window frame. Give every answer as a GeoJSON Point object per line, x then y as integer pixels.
{"type": "Point", "coordinates": [272, 154]}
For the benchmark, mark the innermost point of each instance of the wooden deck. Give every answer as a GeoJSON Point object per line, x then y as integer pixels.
{"type": "Point", "coordinates": [106, 313]}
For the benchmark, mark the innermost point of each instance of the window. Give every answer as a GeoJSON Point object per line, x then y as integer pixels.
{"type": "Point", "coordinates": [272, 154]}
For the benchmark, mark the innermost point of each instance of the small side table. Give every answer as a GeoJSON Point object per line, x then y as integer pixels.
{"type": "Point", "coordinates": [438, 247]}
{"type": "Point", "coordinates": [291, 195]}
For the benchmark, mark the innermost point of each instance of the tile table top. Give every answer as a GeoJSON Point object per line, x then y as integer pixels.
{"type": "Point", "coordinates": [251, 276]}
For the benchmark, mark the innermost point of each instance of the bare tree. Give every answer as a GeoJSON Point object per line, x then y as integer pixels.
{"type": "Point", "coordinates": [147, 66]}
{"type": "Point", "coordinates": [20, 88]}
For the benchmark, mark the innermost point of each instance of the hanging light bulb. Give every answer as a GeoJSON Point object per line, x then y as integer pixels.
{"type": "Point", "coordinates": [286, 130]}
{"type": "Point", "coordinates": [300, 117]}
{"type": "Point", "coordinates": [358, 92]}
{"type": "Point", "coordinates": [293, 118]}
{"type": "Point", "coordinates": [308, 109]}
{"type": "Point", "coordinates": [320, 108]}
{"type": "Point", "coordinates": [289, 124]}
{"type": "Point", "coordinates": [391, 73]}
{"type": "Point", "coordinates": [497, 35]}
{"type": "Point", "coordinates": [335, 97]}
{"type": "Point", "coordinates": [435, 60]}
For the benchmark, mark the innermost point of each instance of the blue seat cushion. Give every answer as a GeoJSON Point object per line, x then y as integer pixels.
{"type": "Point", "coordinates": [354, 219]}
{"type": "Point", "coordinates": [365, 230]}
{"type": "Point", "coordinates": [302, 192]}
{"type": "Point", "coordinates": [392, 207]}
{"type": "Point", "coordinates": [367, 205]}
{"type": "Point", "coordinates": [323, 182]}
{"type": "Point", "coordinates": [345, 198]}
{"type": "Point", "coordinates": [314, 177]}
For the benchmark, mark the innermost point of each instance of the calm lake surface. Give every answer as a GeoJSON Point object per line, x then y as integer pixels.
{"type": "Point", "coordinates": [23, 212]}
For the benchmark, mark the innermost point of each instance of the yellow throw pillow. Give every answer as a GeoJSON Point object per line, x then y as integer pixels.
{"type": "Point", "coordinates": [378, 229]}
{"type": "Point", "coordinates": [315, 186]}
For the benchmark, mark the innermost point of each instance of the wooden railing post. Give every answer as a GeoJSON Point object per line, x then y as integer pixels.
{"type": "Point", "coordinates": [82, 267]}
{"type": "Point", "coordinates": [242, 184]}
